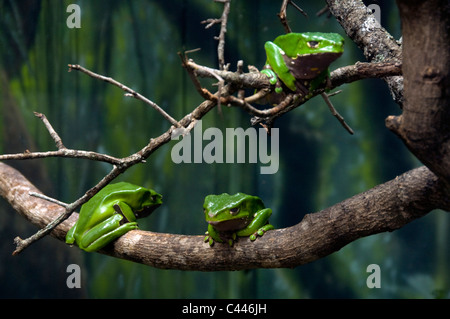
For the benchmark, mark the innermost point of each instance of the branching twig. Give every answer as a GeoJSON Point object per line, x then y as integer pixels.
{"type": "Point", "coordinates": [53, 134]}
{"type": "Point", "coordinates": [223, 30]}
{"type": "Point", "coordinates": [335, 113]}
{"type": "Point", "coordinates": [283, 16]}
{"type": "Point", "coordinates": [256, 80]}
{"type": "Point", "coordinates": [62, 150]}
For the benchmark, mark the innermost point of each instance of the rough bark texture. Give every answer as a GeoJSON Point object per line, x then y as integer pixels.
{"type": "Point", "coordinates": [424, 125]}
{"type": "Point", "coordinates": [386, 207]}
{"type": "Point", "coordinates": [374, 41]}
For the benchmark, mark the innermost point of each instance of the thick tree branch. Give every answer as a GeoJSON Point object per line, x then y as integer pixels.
{"type": "Point", "coordinates": [424, 125]}
{"type": "Point", "coordinates": [374, 41]}
{"type": "Point", "coordinates": [386, 207]}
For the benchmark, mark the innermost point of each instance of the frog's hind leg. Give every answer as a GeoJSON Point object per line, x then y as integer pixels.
{"type": "Point", "coordinates": [110, 230]}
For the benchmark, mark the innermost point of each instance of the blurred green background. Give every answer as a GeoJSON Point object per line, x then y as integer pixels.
{"type": "Point", "coordinates": [136, 42]}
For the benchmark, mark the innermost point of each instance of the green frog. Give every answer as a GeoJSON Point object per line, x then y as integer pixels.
{"type": "Point", "coordinates": [299, 62]}
{"type": "Point", "coordinates": [111, 213]}
{"type": "Point", "coordinates": [232, 216]}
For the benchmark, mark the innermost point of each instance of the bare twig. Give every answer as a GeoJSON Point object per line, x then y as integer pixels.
{"type": "Point", "coordinates": [336, 113]}
{"type": "Point", "coordinates": [223, 30]}
{"type": "Point", "coordinates": [49, 199]}
{"type": "Point", "coordinates": [283, 15]}
{"type": "Point", "coordinates": [53, 134]}
{"type": "Point", "coordinates": [70, 153]}
{"type": "Point", "coordinates": [62, 150]}
{"type": "Point", "coordinates": [129, 91]}
{"type": "Point", "coordinates": [324, 10]}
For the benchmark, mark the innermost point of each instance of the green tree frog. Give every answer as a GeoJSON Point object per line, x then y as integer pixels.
{"type": "Point", "coordinates": [111, 213]}
{"type": "Point", "coordinates": [229, 216]}
{"type": "Point", "coordinates": [300, 60]}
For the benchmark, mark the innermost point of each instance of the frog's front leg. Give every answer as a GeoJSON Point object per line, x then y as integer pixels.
{"type": "Point", "coordinates": [70, 238]}
{"type": "Point", "coordinates": [212, 235]}
{"type": "Point", "coordinates": [258, 226]}
{"type": "Point", "coordinates": [275, 59]}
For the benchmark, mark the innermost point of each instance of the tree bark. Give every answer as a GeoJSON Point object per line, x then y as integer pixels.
{"type": "Point", "coordinates": [424, 125]}
{"type": "Point", "coordinates": [374, 41]}
{"type": "Point", "coordinates": [386, 207]}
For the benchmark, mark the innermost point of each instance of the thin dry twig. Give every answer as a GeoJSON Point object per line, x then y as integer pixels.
{"type": "Point", "coordinates": [125, 88]}
{"type": "Point", "coordinates": [335, 113]}
{"type": "Point", "coordinates": [283, 15]}
{"type": "Point", "coordinates": [223, 30]}
{"type": "Point", "coordinates": [53, 134]}
{"type": "Point", "coordinates": [62, 150]}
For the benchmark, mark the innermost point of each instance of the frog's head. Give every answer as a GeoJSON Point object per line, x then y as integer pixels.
{"type": "Point", "coordinates": [149, 199]}
{"type": "Point", "coordinates": [294, 44]}
{"type": "Point", "coordinates": [231, 212]}
{"type": "Point", "coordinates": [310, 53]}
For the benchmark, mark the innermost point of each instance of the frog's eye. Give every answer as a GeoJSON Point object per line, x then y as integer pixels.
{"type": "Point", "coordinates": [234, 211]}
{"type": "Point", "coordinates": [154, 198]}
{"type": "Point", "coordinates": [313, 44]}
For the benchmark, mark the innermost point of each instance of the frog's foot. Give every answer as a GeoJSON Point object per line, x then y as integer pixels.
{"type": "Point", "coordinates": [273, 79]}
{"type": "Point", "coordinates": [232, 240]}
{"type": "Point", "coordinates": [209, 239]}
{"type": "Point", "coordinates": [261, 231]}
{"type": "Point", "coordinates": [271, 75]}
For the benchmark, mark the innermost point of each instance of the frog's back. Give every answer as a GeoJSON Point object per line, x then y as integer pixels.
{"type": "Point", "coordinates": [103, 202]}
{"type": "Point", "coordinates": [217, 203]}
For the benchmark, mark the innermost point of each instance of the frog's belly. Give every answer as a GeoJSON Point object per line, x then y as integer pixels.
{"type": "Point", "coordinates": [229, 225]}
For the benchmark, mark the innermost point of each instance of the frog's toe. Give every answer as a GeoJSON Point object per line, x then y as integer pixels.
{"type": "Point", "coordinates": [260, 232]}
{"type": "Point", "coordinates": [209, 239]}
